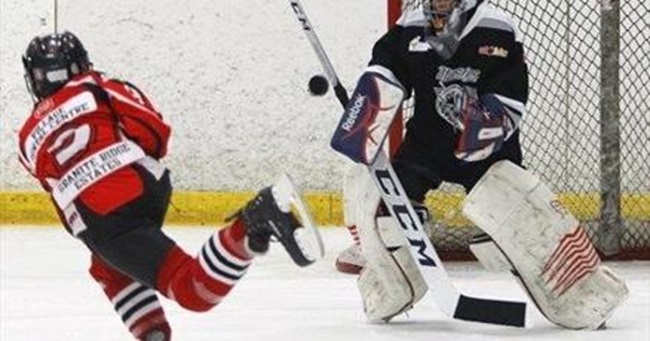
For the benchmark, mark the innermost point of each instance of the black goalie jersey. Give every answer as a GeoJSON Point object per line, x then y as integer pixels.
{"type": "Point", "coordinates": [489, 60]}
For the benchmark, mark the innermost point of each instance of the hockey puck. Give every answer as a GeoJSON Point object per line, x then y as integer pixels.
{"type": "Point", "coordinates": [318, 85]}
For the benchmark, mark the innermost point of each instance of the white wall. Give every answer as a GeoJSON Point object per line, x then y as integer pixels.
{"type": "Point", "coordinates": [231, 77]}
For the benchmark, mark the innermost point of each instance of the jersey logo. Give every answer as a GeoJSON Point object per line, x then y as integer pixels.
{"type": "Point", "coordinates": [417, 45]}
{"type": "Point", "coordinates": [43, 108]}
{"type": "Point", "coordinates": [447, 74]}
{"type": "Point", "coordinates": [493, 51]}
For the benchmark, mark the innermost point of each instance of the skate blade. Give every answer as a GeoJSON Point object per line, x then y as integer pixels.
{"type": "Point", "coordinates": [308, 238]}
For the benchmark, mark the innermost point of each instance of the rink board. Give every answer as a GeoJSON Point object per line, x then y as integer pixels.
{"type": "Point", "coordinates": [211, 208]}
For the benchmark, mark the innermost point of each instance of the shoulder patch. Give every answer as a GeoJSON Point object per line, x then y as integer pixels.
{"type": "Point", "coordinates": [493, 51]}
{"type": "Point", "coordinates": [43, 107]}
{"type": "Point", "coordinates": [418, 45]}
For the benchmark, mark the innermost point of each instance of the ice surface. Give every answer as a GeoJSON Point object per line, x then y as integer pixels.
{"type": "Point", "coordinates": [47, 294]}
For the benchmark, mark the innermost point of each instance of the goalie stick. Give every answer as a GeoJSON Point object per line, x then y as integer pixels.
{"type": "Point", "coordinates": [447, 296]}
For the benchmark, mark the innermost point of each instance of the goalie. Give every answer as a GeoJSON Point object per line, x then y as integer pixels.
{"type": "Point", "coordinates": [464, 62]}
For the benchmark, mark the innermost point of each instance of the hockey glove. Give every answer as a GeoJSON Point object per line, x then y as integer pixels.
{"type": "Point", "coordinates": [484, 126]}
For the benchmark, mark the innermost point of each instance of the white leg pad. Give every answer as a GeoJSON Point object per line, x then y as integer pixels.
{"type": "Point", "coordinates": [546, 245]}
{"type": "Point", "coordinates": [351, 260]}
{"type": "Point", "coordinates": [390, 283]}
{"type": "Point", "coordinates": [488, 254]}
{"type": "Point", "coordinates": [354, 179]}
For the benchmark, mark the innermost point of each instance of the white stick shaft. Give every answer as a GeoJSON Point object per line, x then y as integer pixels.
{"type": "Point", "coordinates": [340, 92]}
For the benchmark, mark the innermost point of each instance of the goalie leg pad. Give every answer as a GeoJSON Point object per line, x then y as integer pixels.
{"type": "Point", "coordinates": [488, 254]}
{"type": "Point", "coordinates": [391, 282]}
{"type": "Point", "coordinates": [550, 251]}
{"type": "Point", "coordinates": [351, 260]}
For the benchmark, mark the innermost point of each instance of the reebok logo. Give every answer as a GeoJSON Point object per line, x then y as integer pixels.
{"type": "Point", "coordinates": [353, 113]}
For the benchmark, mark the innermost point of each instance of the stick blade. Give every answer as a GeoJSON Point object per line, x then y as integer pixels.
{"type": "Point", "coordinates": [482, 310]}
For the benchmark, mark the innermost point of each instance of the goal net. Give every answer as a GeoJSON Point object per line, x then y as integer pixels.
{"type": "Point", "coordinates": [587, 128]}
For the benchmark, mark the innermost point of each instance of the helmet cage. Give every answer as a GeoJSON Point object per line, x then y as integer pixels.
{"type": "Point", "coordinates": [438, 12]}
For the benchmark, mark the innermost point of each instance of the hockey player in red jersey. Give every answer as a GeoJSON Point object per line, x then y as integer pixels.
{"type": "Point", "coordinates": [95, 145]}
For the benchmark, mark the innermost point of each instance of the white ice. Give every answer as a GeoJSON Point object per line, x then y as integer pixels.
{"type": "Point", "coordinates": [47, 294]}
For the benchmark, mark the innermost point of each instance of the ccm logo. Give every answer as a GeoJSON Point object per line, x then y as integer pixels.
{"type": "Point", "coordinates": [407, 221]}
{"type": "Point", "coordinates": [301, 16]}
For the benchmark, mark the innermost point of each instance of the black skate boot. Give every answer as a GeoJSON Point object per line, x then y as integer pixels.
{"type": "Point", "coordinates": [265, 221]}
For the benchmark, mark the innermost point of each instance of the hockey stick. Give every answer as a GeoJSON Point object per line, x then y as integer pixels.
{"type": "Point", "coordinates": [446, 295]}
{"type": "Point", "coordinates": [339, 90]}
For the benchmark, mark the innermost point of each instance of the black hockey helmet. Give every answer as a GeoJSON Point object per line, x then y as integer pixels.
{"type": "Point", "coordinates": [51, 60]}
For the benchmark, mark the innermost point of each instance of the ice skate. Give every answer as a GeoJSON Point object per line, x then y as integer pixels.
{"type": "Point", "coordinates": [274, 215]}
{"type": "Point", "coordinates": [350, 260]}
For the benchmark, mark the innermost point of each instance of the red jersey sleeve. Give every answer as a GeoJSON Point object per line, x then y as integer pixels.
{"type": "Point", "coordinates": [138, 118]}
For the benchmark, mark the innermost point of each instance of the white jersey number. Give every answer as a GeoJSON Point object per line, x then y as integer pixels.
{"type": "Point", "coordinates": [69, 143]}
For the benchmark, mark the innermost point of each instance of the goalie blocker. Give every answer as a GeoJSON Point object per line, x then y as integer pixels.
{"type": "Point", "coordinates": [368, 115]}
{"type": "Point", "coordinates": [545, 246]}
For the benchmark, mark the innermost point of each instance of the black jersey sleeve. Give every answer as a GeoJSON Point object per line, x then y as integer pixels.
{"type": "Point", "coordinates": [507, 76]}
{"type": "Point", "coordinates": [390, 52]}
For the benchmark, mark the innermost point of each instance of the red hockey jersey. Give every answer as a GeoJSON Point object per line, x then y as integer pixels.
{"type": "Point", "coordinates": [81, 143]}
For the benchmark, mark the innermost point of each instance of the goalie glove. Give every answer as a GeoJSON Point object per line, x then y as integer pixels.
{"type": "Point", "coordinates": [484, 125]}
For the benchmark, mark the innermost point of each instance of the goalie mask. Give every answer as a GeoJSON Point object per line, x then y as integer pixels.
{"type": "Point", "coordinates": [51, 60]}
{"type": "Point", "coordinates": [446, 19]}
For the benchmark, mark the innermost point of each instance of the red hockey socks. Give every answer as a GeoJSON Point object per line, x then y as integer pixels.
{"type": "Point", "coordinates": [136, 304]}
{"type": "Point", "coordinates": [201, 283]}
